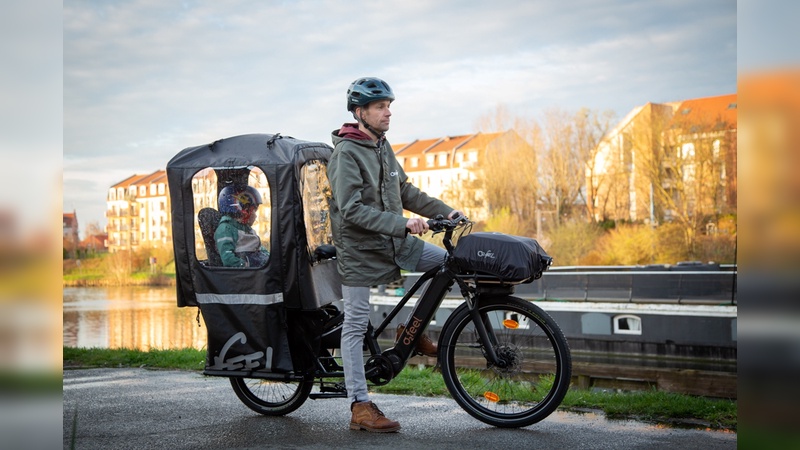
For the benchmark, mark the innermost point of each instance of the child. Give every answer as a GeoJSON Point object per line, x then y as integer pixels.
{"type": "Point", "coordinates": [237, 243]}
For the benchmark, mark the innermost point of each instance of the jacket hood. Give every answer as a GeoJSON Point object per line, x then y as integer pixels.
{"type": "Point", "coordinates": [352, 132]}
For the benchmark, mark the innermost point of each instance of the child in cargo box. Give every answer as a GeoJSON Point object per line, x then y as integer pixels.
{"type": "Point", "coordinates": [237, 243]}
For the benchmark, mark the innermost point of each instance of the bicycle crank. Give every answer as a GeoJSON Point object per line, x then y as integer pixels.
{"type": "Point", "coordinates": [379, 370]}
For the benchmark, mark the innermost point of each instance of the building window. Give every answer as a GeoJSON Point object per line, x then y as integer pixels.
{"type": "Point", "coordinates": [414, 162]}
{"type": "Point", "coordinates": [442, 159]}
{"type": "Point", "coordinates": [152, 189]}
{"type": "Point", "coordinates": [595, 323]}
{"type": "Point", "coordinates": [429, 160]}
{"type": "Point", "coordinates": [627, 324]}
{"type": "Point", "coordinates": [161, 189]}
{"type": "Point", "coordinates": [142, 190]}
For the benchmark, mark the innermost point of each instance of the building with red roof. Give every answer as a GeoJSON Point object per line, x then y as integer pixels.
{"type": "Point", "coordinates": [666, 162]}
{"type": "Point", "coordinates": [138, 212]}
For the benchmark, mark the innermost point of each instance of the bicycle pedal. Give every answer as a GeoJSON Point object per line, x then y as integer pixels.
{"type": "Point", "coordinates": [338, 387]}
{"type": "Point", "coordinates": [318, 395]}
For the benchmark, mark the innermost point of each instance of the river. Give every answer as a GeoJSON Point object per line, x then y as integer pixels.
{"type": "Point", "coordinates": [136, 317]}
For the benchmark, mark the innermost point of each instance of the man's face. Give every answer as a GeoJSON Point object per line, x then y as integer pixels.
{"type": "Point", "coordinates": [377, 114]}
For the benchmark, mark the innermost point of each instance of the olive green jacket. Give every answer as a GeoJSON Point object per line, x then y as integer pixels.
{"type": "Point", "coordinates": [370, 192]}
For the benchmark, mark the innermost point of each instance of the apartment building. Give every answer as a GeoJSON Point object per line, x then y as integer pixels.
{"type": "Point", "coordinates": [444, 166]}
{"type": "Point", "coordinates": [138, 213]}
{"type": "Point", "coordinates": [71, 239]}
{"type": "Point", "coordinates": [665, 160]}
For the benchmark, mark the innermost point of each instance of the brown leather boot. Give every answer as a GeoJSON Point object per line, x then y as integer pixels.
{"type": "Point", "coordinates": [425, 345]}
{"type": "Point", "coordinates": [367, 416]}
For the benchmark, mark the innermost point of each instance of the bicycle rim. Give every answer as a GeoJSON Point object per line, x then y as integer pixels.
{"type": "Point", "coordinates": [536, 377]}
{"type": "Point", "coordinates": [270, 397]}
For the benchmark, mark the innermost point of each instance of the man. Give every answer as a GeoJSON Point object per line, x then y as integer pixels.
{"type": "Point", "coordinates": [373, 240]}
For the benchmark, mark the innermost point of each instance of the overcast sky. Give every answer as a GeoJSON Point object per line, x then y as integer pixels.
{"type": "Point", "coordinates": [145, 79]}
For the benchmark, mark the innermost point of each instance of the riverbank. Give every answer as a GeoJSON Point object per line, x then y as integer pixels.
{"type": "Point", "coordinates": [162, 280]}
{"type": "Point", "coordinates": [652, 406]}
{"type": "Point", "coordinates": [104, 270]}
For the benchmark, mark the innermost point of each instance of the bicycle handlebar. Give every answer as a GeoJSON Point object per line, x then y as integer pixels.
{"type": "Point", "coordinates": [439, 223]}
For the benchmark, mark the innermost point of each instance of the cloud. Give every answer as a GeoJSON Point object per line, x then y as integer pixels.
{"type": "Point", "coordinates": [145, 79]}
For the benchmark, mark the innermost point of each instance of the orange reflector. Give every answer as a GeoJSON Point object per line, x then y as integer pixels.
{"type": "Point", "coordinates": [512, 324]}
{"type": "Point", "coordinates": [491, 396]}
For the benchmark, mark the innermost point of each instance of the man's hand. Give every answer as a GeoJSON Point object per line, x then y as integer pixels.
{"type": "Point", "coordinates": [454, 214]}
{"type": "Point", "coordinates": [417, 226]}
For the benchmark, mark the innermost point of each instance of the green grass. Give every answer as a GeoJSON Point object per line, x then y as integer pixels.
{"type": "Point", "coordinates": [653, 406]}
{"type": "Point", "coordinates": [183, 359]}
{"type": "Point", "coordinates": [656, 406]}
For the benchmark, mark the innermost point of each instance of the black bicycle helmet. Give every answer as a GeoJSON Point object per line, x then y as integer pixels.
{"type": "Point", "coordinates": [367, 90]}
{"type": "Point", "coordinates": [233, 199]}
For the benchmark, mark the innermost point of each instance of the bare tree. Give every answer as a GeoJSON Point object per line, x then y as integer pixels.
{"type": "Point", "coordinates": [590, 128]}
{"type": "Point", "coordinates": [93, 229]}
{"type": "Point", "coordinates": [508, 170]}
{"type": "Point", "coordinates": [563, 166]}
{"type": "Point", "coordinates": [688, 179]}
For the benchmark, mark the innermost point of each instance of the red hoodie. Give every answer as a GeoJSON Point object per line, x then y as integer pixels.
{"type": "Point", "coordinates": [351, 131]}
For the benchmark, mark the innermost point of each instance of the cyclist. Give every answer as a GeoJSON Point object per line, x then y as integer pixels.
{"type": "Point", "coordinates": [370, 191]}
{"type": "Point", "coordinates": [237, 242]}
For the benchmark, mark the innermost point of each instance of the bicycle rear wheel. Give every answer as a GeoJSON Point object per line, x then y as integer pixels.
{"type": "Point", "coordinates": [537, 370]}
{"type": "Point", "coordinates": [271, 397]}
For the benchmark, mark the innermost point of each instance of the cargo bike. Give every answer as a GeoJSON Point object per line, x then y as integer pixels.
{"type": "Point", "coordinates": [274, 328]}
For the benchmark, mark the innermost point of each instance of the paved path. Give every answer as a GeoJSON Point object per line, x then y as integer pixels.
{"type": "Point", "coordinates": [142, 409]}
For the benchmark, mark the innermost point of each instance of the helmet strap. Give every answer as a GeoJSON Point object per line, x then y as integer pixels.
{"type": "Point", "coordinates": [380, 136]}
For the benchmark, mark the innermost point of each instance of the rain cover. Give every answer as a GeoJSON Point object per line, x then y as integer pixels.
{"type": "Point", "coordinates": [245, 310]}
{"type": "Point", "coordinates": [511, 258]}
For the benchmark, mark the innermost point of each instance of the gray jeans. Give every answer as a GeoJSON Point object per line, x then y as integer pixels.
{"type": "Point", "coordinates": [354, 328]}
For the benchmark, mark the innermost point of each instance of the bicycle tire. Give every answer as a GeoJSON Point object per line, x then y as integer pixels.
{"type": "Point", "coordinates": [271, 397]}
{"type": "Point", "coordinates": [539, 367]}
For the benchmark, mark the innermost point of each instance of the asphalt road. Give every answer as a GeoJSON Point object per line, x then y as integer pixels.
{"type": "Point", "coordinates": [143, 409]}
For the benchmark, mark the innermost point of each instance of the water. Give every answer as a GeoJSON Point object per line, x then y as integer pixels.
{"type": "Point", "coordinates": [137, 317]}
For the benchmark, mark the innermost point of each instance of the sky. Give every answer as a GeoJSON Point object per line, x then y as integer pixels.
{"type": "Point", "coordinates": [145, 79]}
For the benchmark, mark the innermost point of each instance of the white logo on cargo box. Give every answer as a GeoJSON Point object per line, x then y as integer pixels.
{"type": "Point", "coordinates": [237, 362]}
{"type": "Point", "coordinates": [486, 254]}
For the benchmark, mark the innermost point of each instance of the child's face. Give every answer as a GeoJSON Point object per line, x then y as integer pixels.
{"type": "Point", "coordinates": [249, 214]}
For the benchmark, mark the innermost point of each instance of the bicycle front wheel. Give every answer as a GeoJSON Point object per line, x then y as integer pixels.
{"type": "Point", "coordinates": [536, 370]}
{"type": "Point", "coordinates": [269, 397]}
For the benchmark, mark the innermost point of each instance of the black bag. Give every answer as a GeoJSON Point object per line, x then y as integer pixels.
{"type": "Point", "coordinates": [513, 259]}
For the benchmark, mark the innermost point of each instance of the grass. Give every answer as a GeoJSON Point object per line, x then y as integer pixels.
{"type": "Point", "coordinates": [182, 359]}
{"type": "Point", "coordinates": [652, 406]}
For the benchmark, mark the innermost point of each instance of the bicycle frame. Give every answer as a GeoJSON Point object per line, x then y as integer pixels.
{"type": "Point", "coordinates": [441, 279]}
{"type": "Point", "coordinates": [422, 314]}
